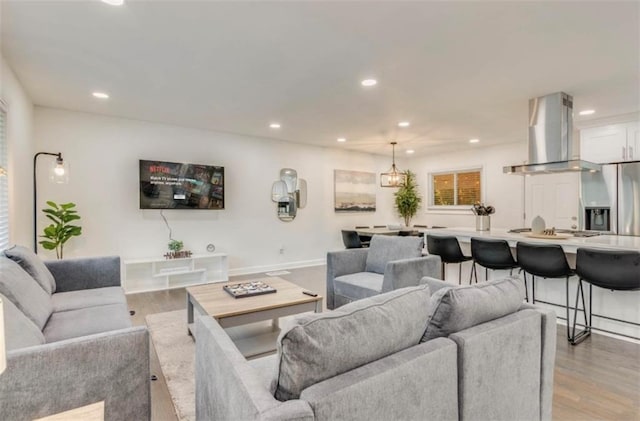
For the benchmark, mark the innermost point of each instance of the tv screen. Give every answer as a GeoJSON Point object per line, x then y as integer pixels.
{"type": "Point", "coordinates": [173, 185]}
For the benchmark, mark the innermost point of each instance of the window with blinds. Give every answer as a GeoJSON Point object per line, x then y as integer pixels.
{"type": "Point", "coordinates": [456, 188]}
{"type": "Point", "coordinates": [4, 183]}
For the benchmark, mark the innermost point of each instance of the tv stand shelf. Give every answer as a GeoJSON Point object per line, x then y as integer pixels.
{"type": "Point", "coordinates": [154, 274]}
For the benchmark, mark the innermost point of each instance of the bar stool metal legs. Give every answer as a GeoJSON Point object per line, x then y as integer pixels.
{"type": "Point", "coordinates": [575, 339]}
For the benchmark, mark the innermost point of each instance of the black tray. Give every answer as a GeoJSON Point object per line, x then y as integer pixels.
{"type": "Point", "coordinates": [249, 289]}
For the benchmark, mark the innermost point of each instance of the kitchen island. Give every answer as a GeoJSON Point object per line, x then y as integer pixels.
{"type": "Point", "coordinates": [607, 305]}
{"type": "Point", "coordinates": [569, 245]}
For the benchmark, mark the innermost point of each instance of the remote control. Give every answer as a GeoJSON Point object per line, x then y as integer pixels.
{"type": "Point", "coordinates": [312, 294]}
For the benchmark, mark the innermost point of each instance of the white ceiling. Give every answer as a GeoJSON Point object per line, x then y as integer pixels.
{"type": "Point", "coordinates": [456, 70]}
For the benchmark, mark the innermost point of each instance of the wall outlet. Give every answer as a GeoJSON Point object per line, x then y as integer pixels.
{"type": "Point", "coordinates": [282, 249]}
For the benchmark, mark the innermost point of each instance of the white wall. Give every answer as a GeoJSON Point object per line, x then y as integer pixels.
{"type": "Point", "coordinates": [20, 122]}
{"type": "Point", "coordinates": [103, 154]}
{"type": "Point", "coordinates": [502, 191]}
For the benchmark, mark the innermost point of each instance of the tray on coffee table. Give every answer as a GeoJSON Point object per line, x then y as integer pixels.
{"type": "Point", "coordinates": [249, 289]}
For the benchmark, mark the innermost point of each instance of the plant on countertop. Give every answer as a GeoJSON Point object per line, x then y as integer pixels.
{"type": "Point", "coordinates": [60, 231]}
{"type": "Point", "coordinates": [408, 199]}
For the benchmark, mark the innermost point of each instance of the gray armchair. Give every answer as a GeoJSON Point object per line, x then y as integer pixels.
{"type": "Point", "coordinates": [389, 263]}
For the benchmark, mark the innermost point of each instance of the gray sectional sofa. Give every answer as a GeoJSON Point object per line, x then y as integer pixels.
{"type": "Point", "coordinates": [431, 352]}
{"type": "Point", "coordinates": [69, 339]}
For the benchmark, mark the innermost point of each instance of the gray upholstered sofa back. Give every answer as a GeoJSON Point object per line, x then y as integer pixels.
{"type": "Point", "coordinates": [497, 369]}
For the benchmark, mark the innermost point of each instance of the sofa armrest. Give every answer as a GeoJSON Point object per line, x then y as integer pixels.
{"type": "Point", "coordinates": [499, 365]}
{"type": "Point", "coordinates": [85, 273]}
{"type": "Point", "coordinates": [548, 356]}
{"type": "Point", "coordinates": [228, 388]}
{"type": "Point", "coordinates": [343, 262]}
{"type": "Point", "coordinates": [47, 379]}
{"type": "Point", "coordinates": [408, 272]}
{"type": "Point", "coordinates": [416, 383]}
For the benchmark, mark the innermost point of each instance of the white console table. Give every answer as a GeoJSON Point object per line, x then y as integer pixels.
{"type": "Point", "coordinates": [153, 274]}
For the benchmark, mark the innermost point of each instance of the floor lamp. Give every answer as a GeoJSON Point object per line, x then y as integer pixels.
{"type": "Point", "coordinates": [59, 173]}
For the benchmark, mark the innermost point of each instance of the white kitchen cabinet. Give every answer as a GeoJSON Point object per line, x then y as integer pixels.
{"type": "Point", "coordinates": [554, 197]}
{"type": "Point", "coordinates": [611, 143]}
{"type": "Point", "coordinates": [140, 275]}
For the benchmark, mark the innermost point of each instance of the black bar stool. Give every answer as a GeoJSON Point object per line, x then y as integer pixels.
{"type": "Point", "coordinates": [547, 261]}
{"type": "Point", "coordinates": [494, 255]}
{"type": "Point", "coordinates": [351, 240]}
{"type": "Point", "coordinates": [363, 238]}
{"type": "Point", "coordinates": [608, 269]}
{"type": "Point", "coordinates": [448, 248]}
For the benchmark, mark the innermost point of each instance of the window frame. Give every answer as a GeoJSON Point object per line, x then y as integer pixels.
{"type": "Point", "coordinates": [433, 208]}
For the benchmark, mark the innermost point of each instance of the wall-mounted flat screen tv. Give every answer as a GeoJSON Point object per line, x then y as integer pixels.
{"type": "Point", "coordinates": [173, 185]}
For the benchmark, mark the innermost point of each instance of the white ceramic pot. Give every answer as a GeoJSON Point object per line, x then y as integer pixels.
{"type": "Point", "coordinates": [537, 225]}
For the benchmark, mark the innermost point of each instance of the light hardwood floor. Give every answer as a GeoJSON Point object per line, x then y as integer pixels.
{"type": "Point", "coordinates": [596, 380]}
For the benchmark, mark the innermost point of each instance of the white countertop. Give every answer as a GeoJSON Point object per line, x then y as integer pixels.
{"type": "Point", "coordinates": [569, 245]}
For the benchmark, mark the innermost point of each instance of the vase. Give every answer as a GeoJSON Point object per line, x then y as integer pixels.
{"type": "Point", "coordinates": [483, 223]}
{"type": "Point", "coordinates": [537, 225]}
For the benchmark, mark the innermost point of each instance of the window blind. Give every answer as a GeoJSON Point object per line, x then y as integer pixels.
{"type": "Point", "coordinates": [443, 190]}
{"type": "Point", "coordinates": [456, 188]}
{"type": "Point", "coordinates": [4, 182]}
{"type": "Point", "coordinates": [468, 188]}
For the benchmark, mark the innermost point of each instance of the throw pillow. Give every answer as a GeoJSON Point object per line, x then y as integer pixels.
{"type": "Point", "coordinates": [320, 346]}
{"type": "Point", "coordinates": [23, 291]}
{"type": "Point", "coordinates": [457, 308]}
{"type": "Point", "coordinates": [34, 267]}
{"type": "Point", "coordinates": [386, 248]}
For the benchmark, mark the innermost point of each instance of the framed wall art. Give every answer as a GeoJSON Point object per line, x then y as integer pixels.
{"type": "Point", "coordinates": [354, 191]}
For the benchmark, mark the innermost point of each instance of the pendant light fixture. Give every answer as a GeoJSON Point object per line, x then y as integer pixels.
{"type": "Point", "coordinates": [393, 178]}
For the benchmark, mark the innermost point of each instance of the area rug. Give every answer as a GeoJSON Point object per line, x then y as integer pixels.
{"type": "Point", "coordinates": [176, 352]}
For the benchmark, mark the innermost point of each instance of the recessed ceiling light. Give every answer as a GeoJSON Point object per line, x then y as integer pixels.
{"type": "Point", "coordinates": [410, 151]}
{"type": "Point", "coordinates": [274, 125]}
{"type": "Point", "coordinates": [341, 139]}
{"type": "Point", "coordinates": [474, 140]}
{"type": "Point", "coordinates": [587, 112]}
{"type": "Point", "coordinates": [369, 82]}
{"type": "Point", "coordinates": [100, 95]}
{"type": "Point", "coordinates": [114, 2]}
{"type": "Point", "coordinates": [404, 124]}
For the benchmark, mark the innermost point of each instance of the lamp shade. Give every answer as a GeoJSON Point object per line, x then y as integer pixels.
{"type": "Point", "coordinates": [394, 177]}
{"type": "Point", "coordinates": [59, 172]}
{"type": "Point", "coordinates": [3, 356]}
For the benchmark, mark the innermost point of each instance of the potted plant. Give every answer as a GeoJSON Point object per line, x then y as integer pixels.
{"type": "Point", "coordinates": [175, 245]}
{"type": "Point", "coordinates": [408, 198]}
{"type": "Point", "coordinates": [60, 231]}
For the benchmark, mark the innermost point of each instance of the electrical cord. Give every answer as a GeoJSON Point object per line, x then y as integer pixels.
{"type": "Point", "coordinates": [167, 224]}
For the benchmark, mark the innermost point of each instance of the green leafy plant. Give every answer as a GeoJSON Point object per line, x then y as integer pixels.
{"type": "Point", "coordinates": [408, 199]}
{"type": "Point", "coordinates": [175, 245]}
{"type": "Point", "coordinates": [60, 231]}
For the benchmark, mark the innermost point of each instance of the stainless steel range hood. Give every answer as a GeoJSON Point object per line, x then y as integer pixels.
{"type": "Point", "coordinates": [551, 138]}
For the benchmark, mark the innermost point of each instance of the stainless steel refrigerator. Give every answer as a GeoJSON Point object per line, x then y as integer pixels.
{"type": "Point", "coordinates": [610, 199]}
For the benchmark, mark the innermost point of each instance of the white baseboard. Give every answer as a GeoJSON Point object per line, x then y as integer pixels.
{"type": "Point", "coordinates": [280, 266]}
